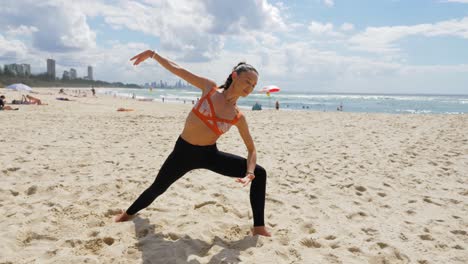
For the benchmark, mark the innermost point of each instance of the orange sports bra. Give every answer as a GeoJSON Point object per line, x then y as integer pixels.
{"type": "Point", "coordinates": [205, 111]}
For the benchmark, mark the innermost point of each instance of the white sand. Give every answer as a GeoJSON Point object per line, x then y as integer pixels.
{"type": "Point", "coordinates": [342, 187]}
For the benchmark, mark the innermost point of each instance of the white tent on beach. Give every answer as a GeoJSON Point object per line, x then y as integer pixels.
{"type": "Point", "coordinates": [19, 87]}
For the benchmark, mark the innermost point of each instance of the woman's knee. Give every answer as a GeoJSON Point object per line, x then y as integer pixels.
{"type": "Point", "coordinates": [260, 172]}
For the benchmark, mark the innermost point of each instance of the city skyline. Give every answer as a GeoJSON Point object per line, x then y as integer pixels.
{"type": "Point", "coordinates": [71, 74]}
{"type": "Point", "coordinates": [164, 84]}
{"type": "Point", "coordinates": [385, 46]}
{"type": "Point", "coordinates": [25, 70]}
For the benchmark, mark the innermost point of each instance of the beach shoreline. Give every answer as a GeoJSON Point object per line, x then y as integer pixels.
{"type": "Point", "coordinates": [342, 187]}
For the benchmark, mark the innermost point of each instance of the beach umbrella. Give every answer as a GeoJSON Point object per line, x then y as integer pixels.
{"type": "Point", "coordinates": [19, 87]}
{"type": "Point", "coordinates": [268, 90]}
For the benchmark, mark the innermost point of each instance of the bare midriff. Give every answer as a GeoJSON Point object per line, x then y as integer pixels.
{"type": "Point", "coordinates": [197, 133]}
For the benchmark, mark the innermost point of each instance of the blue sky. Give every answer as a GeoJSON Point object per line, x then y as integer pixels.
{"type": "Point", "coordinates": [379, 46]}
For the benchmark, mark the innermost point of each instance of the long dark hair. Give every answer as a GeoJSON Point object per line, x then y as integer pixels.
{"type": "Point", "coordinates": [241, 67]}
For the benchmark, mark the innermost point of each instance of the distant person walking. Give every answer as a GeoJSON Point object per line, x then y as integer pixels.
{"type": "Point", "coordinates": [196, 148]}
{"type": "Point", "coordinates": [340, 107]}
{"type": "Point", "coordinates": [93, 91]}
{"type": "Point", "coordinates": [277, 105]}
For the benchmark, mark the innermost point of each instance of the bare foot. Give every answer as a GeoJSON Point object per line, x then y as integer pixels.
{"type": "Point", "coordinates": [261, 231]}
{"type": "Point", "coordinates": [123, 216]}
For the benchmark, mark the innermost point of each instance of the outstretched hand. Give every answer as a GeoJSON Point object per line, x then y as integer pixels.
{"type": "Point", "coordinates": [246, 180]}
{"type": "Point", "coordinates": [142, 57]}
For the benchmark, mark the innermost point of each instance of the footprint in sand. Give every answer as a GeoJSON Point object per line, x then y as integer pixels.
{"type": "Point", "coordinates": [278, 202]}
{"type": "Point", "coordinates": [458, 247]}
{"type": "Point", "coordinates": [27, 237]}
{"type": "Point", "coordinates": [382, 245]}
{"type": "Point", "coordinates": [354, 250]}
{"type": "Point", "coordinates": [172, 236]}
{"type": "Point", "coordinates": [31, 190]}
{"type": "Point", "coordinates": [358, 214]}
{"type": "Point", "coordinates": [410, 212]}
{"type": "Point", "coordinates": [93, 234]}
{"type": "Point", "coordinates": [108, 240]}
{"type": "Point", "coordinates": [458, 232]}
{"type": "Point", "coordinates": [112, 212]}
{"type": "Point", "coordinates": [11, 169]}
{"type": "Point", "coordinates": [200, 205]}
{"type": "Point", "coordinates": [403, 237]}
{"type": "Point", "coordinates": [308, 228]}
{"type": "Point", "coordinates": [310, 243]}
{"type": "Point", "coordinates": [369, 231]}
{"type": "Point", "coordinates": [142, 233]}
{"type": "Point", "coordinates": [360, 188]}
{"type": "Point", "coordinates": [283, 236]}
{"type": "Point", "coordinates": [93, 245]}
{"type": "Point", "coordinates": [426, 237]}
{"type": "Point", "coordinates": [427, 200]}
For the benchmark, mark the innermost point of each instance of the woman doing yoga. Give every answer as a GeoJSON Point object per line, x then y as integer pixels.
{"type": "Point", "coordinates": [195, 148]}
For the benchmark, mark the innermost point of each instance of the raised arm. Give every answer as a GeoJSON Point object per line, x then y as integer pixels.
{"type": "Point", "coordinates": [201, 82]}
{"type": "Point", "coordinates": [252, 152]}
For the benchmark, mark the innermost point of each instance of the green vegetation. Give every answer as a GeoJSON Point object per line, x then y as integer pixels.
{"type": "Point", "coordinates": [43, 80]}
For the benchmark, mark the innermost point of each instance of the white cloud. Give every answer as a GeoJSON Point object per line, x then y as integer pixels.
{"type": "Point", "coordinates": [53, 26]}
{"type": "Point", "coordinates": [12, 49]}
{"type": "Point", "coordinates": [329, 3]}
{"type": "Point", "coordinates": [383, 39]}
{"type": "Point", "coordinates": [22, 30]}
{"type": "Point", "coordinates": [243, 15]}
{"type": "Point", "coordinates": [320, 28]}
{"type": "Point", "coordinates": [347, 27]}
{"type": "Point", "coordinates": [192, 30]}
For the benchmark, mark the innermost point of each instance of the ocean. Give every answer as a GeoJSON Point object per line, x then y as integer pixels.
{"type": "Point", "coordinates": [326, 102]}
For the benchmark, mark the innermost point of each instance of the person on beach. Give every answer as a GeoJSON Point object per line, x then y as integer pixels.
{"type": "Point", "coordinates": [196, 148]}
{"type": "Point", "coordinates": [3, 106]}
{"type": "Point", "coordinates": [32, 100]}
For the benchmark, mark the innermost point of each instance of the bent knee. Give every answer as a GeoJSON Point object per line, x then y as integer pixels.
{"type": "Point", "coordinates": [260, 172]}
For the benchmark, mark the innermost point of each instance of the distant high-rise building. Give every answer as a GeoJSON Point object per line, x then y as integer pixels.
{"type": "Point", "coordinates": [10, 69]}
{"type": "Point", "coordinates": [72, 74]}
{"type": "Point", "coordinates": [27, 69]}
{"type": "Point", "coordinates": [66, 75]}
{"type": "Point", "coordinates": [18, 69]}
{"type": "Point", "coordinates": [90, 73]}
{"type": "Point", "coordinates": [51, 68]}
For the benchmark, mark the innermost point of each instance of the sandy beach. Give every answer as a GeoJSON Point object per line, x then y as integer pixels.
{"type": "Point", "coordinates": [342, 187]}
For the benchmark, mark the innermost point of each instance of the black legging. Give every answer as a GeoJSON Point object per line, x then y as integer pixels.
{"type": "Point", "coordinates": [186, 157]}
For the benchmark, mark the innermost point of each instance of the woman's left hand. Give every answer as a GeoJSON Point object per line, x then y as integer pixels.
{"type": "Point", "coordinates": [246, 180]}
{"type": "Point", "coordinates": [142, 56]}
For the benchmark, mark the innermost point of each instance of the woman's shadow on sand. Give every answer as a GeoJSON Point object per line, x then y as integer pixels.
{"type": "Point", "coordinates": [159, 248]}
